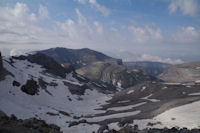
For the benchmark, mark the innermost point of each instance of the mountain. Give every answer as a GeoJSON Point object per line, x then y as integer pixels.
{"type": "Point", "coordinates": [186, 72]}
{"type": "Point", "coordinates": [78, 57]}
{"type": "Point", "coordinates": [34, 92]}
{"type": "Point", "coordinates": [115, 74]}
{"type": "Point", "coordinates": [33, 86]}
{"type": "Point", "coordinates": [98, 67]}
{"type": "Point", "coordinates": [152, 68]}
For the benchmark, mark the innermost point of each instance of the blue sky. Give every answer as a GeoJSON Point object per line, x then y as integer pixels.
{"type": "Point", "coordinates": [156, 30]}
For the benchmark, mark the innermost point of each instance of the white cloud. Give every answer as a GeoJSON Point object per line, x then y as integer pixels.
{"type": "Point", "coordinates": [105, 11]}
{"type": "Point", "coordinates": [20, 28]}
{"type": "Point", "coordinates": [99, 27]}
{"type": "Point", "coordinates": [186, 35]}
{"type": "Point", "coordinates": [19, 15]}
{"type": "Point", "coordinates": [132, 56]}
{"type": "Point", "coordinates": [187, 7]}
{"type": "Point", "coordinates": [145, 33]}
{"type": "Point", "coordinates": [43, 12]}
{"type": "Point", "coordinates": [82, 1]}
{"type": "Point", "coordinates": [146, 57]}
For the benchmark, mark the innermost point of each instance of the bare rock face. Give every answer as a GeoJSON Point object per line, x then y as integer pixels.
{"type": "Point", "coordinates": [181, 73]}
{"type": "Point", "coordinates": [1, 64]}
{"type": "Point", "coordinates": [115, 74]}
{"type": "Point", "coordinates": [31, 87]}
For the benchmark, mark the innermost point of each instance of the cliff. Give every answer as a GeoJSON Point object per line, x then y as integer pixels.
{"type": "Point", "coordinates": [1, 63]}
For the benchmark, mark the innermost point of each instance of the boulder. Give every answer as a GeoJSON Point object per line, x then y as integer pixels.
{"type": "Point", "coordinates": [31, 87]}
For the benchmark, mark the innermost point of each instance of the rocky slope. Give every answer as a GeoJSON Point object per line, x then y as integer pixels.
{"type": "Point", "coordinates": [33, 86]}
{"type": "Point", "coordinates": [186, 72]}
{"type": "Point", "coordinates": [32, 125]}
{"type": "Point", "coordinates": [98, 67]}
{"type": "Point", "coordinates": [78, 57]}
{"type": "Point", "coordinates": [152, 68]}
{"type": "Point", "coordinates": [114, 74]}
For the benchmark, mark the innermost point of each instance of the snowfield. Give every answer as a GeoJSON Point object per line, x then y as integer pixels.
{"type": "Point", "coordinates": [182, 116]}
{"type": "Point", "coordinates": [14, 101]}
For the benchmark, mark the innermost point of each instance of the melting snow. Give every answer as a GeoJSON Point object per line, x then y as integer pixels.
{"type": "Point", "coordinates": [143, 88]}
{"type": "Point", "coordinates": [131, 91]}
{"type": "Point", "coordinates": [121, 108]}
{"type": "Point", "coordinates": [182, 116]}
{"type": "Point", "coordinates": [152, 100]}
{"type": "Point", "coordinates": [194, 94]}
{"type": "Point", "coordinates": [118, 115]}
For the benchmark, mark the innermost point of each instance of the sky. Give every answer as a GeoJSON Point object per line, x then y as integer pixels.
{"type": "Point", "coordinates": [134, 30]}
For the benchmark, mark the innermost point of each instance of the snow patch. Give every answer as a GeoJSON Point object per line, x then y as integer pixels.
{"type": "Point", "coordinates": [129, 92]}
{"type": "Point", "coordinates": [121, 108]}
{"type": "Point", "coordinates": [118, 115]}
{"type": "Point", "coordinates": [152, 100]}
{"type": "Point", "coordinates": [194, 94]}
{"type": "Point", "coordinates": [143, 88]}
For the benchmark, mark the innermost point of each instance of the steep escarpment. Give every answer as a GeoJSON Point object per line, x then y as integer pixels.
{"type": "Point", "coordinates": [114, 74]}
{"type": "Point", "coordinates": [47, 62]}
{"type": "Point", "coordinates": [152, 68]}
{"type": "Point", "coordinates": [186, 72]}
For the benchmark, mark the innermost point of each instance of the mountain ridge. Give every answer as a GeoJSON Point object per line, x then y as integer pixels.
{"type": "Point", "coordinates": [78, 57]}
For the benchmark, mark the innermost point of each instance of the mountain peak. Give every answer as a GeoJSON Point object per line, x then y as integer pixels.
{"type": "Point", "coordinates": [78, 57]}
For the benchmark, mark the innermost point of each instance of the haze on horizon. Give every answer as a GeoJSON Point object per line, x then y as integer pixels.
{"type": "Point", "coordinates": [134, 30]}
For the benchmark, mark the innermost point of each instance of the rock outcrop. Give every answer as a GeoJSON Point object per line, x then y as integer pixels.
{"type": "Point", "coordinates": [115, 74]}
{"type": "Point", "coordinates": [13, 125]}
{"type": "Point", "coordinates": [47, 62]}
{"type": "Point", "coordinates": [181, 73]}
{"type": "Point", "coordinates": [31, 87]}
{"type": "Point", "coordinates": [152, 68]}
{"type": "Point", "coordinates": [1, 63]}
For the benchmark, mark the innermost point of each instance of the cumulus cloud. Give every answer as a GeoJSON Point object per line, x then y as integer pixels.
{"type": "Point", "coordinates": [99, 27]}
{"type": "Point", "coordinates": [105, 11]}
{"type": "Point", "coordinates": [147, 57]}
{"type": "Point", "coordinates": [187, 7]}
{"type": "Point", "coordinates": [14, 52]}
{"type": "Point", "coordinates": [132, 56]}
{"type": "Point", "coordinates": [184, 35]}
{"type": "Point", "coordinates": [145, 33]}
{"type": "Point", "coordinates": [21, 28]}
{"type": "Point", "coordinates": [43, 12]}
